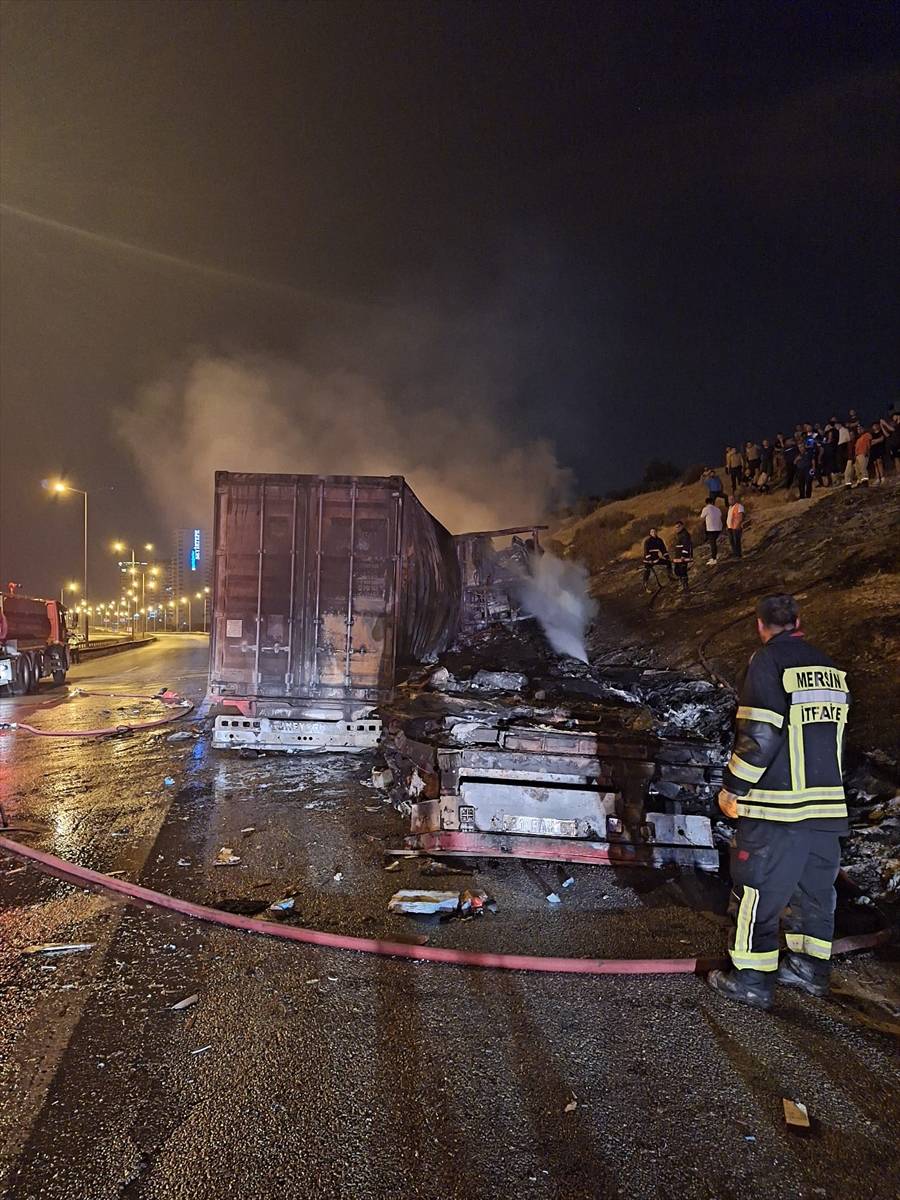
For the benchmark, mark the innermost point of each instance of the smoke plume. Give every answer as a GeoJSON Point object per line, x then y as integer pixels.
{"type": "Point", "coordinates": [556, 592]}
{"type": "Point", "coordinates": [258, 413]}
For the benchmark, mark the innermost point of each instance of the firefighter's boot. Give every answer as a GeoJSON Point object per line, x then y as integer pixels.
{"type": "Point", "coordinates": [800, 971]}
{"type": "Point", "coordinates": [754, 988]}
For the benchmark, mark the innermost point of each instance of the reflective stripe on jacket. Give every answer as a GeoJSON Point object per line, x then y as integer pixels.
{"type": "Point", "coordinates": [791, 721]}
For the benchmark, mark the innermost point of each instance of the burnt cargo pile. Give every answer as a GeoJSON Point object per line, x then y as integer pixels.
{"type": "Point", "coordinates": [324, 588]}
{"type": "Point", "coordinates": [552, 759]}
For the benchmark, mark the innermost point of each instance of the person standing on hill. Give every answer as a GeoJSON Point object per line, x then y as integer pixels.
{"type": "Point", "coordinates": [877, 451]}
{"type": "Point", "coordinates": [734, 522]}
{"type": "Point", "coordinates": [713, 485]}
{"type": "Point", "coordinates": [751, 454]}
{"type": "Point", "coordinates": [683, 553]}
{"type": "Point", "coordinates": [655, 555]}
{"type": "Point", "coordinates": [861, 450]}
{"type": "Point", "coordinates": [804, 471]}
{"type": "Point", "coordinates": [733, 465]}
{"type": "Point", "coordinates": [767, 458]}
{"type": "Point", "coordinates": [711, 516]}
{"type": "Point", "coordinates": [790, 453]}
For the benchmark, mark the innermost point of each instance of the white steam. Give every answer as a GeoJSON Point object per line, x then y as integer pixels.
{"type": "Point", "coordinates": [556, 592]}
{"type": "Point", "coordinates": [265, 414]}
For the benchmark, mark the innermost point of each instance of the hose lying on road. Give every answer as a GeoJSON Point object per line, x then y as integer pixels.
{"type": "Point", "coordinates": [133, 892]}
{"type": "Point", "coordinates": [180, 708]}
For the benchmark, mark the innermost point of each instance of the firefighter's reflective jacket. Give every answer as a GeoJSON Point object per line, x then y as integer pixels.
{"type": "Point", "coordinates": [791, 720]}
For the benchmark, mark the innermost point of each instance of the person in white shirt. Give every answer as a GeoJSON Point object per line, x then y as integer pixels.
{"type": "Point", "coordinates": [711, 516]}
{"type": "Point", "coordinates": [843, 445]}
{"type": "Point", "coordinates": [734, 522]}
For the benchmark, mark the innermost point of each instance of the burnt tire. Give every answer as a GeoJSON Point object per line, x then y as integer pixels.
{"type": "Point", "coordinates": [59, 678]}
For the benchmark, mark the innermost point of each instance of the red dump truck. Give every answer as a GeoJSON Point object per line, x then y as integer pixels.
{"type": "Point", "coordinates": [34, 643]}
{"type": "Point", "coordinates": [323, 587]}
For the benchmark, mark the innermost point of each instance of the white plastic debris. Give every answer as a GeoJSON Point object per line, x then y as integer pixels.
{"type": "Point", "coordinates": [439, 679]}
{"type": "Point", "coordinates": [500, 681]}
{"type": "Point", "coordinates": [409, 900]}
{"type": "Point", "coordinates": [553, 898]}
{"type": "Point", "coordinates": [571, 1106]}
{"type": "Point", "coordinates": [284, 905]}
{"type": "Point", "coordinates": [187, 1002]}
{"type": "Point", "coordinates": [58, 948]}
{"type": "Point", "coordinates": [382, 778]}
{"type": "Point", "coordinates": [339, 875]}
{"type": "Point", "coordinates": [416, 783]}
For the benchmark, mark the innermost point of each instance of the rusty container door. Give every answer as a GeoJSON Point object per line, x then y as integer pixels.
{"type": "Point", "coordinates": [352, 589]}
{"type": "Point", "coordinates": [305, 587]}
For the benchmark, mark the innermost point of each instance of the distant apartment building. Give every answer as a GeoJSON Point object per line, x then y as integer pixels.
{"type": "Point", "coordinates": [190, 568]}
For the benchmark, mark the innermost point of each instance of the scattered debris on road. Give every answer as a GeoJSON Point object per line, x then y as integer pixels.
{"type": "Point", "coordinates": [284, 905]}
{"type": "Point", "coordinates": [418, 902]}
{"type": "Point", "coordinates": [226, 858]}
{"type": "Point", "coordinates": [796, 1115]}
{"type": "Point", "coordinates": [408, 900]}
{"type": "Point", "coordinates": [187, 1002]}
{"type": "Point", "coordinates": [58, 948]}
{"type": "Point", "coordinates": [571, 1106]}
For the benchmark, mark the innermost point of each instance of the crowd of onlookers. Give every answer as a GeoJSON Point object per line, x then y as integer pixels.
{"type": "Point", "coordinates": [847, 452]}
{"type": "Point", "coordinates": [841, 451]}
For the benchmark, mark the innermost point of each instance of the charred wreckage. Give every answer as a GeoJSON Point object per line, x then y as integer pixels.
{"type": "Point", "coordinates": [329, 595]}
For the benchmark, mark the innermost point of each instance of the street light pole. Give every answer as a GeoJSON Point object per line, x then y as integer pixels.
{"type": "Point", "coordinates": [59, 487]}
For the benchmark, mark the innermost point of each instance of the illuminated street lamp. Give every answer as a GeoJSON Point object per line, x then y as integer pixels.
{"type": "Point", "coordinates": [131, 567]}
{"type": "Point", "coordinates": [67, 587]}
{"type": "Point", "coordinates": [59, 487]}
{"type": "Point", "coordinates": [187, 600]}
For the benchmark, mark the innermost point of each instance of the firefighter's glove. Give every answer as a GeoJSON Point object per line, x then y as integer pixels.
{"type": "Point", "coordinates": [728, 802]}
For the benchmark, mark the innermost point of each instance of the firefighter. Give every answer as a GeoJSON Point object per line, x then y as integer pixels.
{"type": "Point", "coordinates": [684, 553]}
{"type": "Point", "coordinates": [783, 786]}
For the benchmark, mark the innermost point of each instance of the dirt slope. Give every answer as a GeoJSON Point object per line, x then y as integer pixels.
{"type": "Point", "coordinates": [839, 553]}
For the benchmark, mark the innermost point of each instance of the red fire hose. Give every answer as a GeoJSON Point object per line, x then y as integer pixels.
{"type": "Point", "coordinates": [169, 699]}
{"type": "Point", "coordinates": [134, 893]}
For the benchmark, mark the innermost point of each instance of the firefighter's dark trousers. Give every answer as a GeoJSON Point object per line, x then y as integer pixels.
{"type": "Point", "coordinates": [775, 866]}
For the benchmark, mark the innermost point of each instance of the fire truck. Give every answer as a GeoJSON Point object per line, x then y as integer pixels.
{"type": "Point", "coordinates": [34, 643]}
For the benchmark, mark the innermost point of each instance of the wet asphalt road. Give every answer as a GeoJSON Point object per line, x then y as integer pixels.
{"type": "Point", "coordinates": [309, 1073]}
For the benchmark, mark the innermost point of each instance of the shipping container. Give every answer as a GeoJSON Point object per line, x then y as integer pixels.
{"type": "Point", "coordinates": [324, 587]}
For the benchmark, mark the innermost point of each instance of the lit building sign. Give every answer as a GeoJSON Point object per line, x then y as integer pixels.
{"type": "Point", "coordinates": [194, 556]}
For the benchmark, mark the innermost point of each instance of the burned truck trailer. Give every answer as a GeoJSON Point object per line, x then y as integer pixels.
{"type": "Point", "coordinates": [324, 587]}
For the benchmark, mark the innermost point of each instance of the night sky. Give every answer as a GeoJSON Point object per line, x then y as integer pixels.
{"type": "Point", "coordinates": [637, 230]}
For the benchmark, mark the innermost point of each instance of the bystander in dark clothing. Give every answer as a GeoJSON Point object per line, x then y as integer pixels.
{"type": "Point", "coordinates": [683, 552]}
{"type": "Point", "coordinates": [766, 457]}
{"type": "Point", "coordinates": [804, 471]}
{"type": "Point", "coordinates": [790, 452]}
